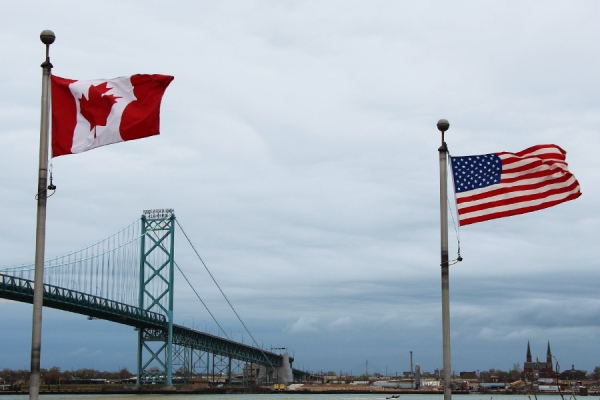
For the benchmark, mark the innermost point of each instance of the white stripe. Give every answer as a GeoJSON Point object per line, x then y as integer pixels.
{"type": "Point", "coordinates": [530, 160]}
{"type": "Point", "coordinates": [494, 210]}
{"type": "Point", "coordinates": [516, 195]}
{"type": "Point", "coordinates": [552, 150]}
{"type": "Point", "coordinates": [518, 164]}
{"type": "Point", "coordinates": [556, 170]}
{"type": "Point", "coordinates": [533, 157]}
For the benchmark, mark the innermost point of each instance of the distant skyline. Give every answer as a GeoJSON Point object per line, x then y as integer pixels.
{"type": "Point", "coordinates": [298, 148]}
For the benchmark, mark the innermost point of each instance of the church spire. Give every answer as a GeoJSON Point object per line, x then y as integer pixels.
{"type": "Point", "coordinates": [528, 359]}
{"type": "Point", "coordinates": [549, 354]}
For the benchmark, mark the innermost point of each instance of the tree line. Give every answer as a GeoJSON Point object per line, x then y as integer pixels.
{"type": "Point", "coordinates": [55, 376]}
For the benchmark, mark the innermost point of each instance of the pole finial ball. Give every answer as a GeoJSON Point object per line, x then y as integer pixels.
{"type": "Point", "coordinates": [443, 125]}
{"type": "Point", "coordinates": [47, 37]}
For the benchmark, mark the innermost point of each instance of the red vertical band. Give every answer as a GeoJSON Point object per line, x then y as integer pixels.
{"type": "Point", "coordinates": [141, 118]}
{"type": "Point", "coordinates": [64, 116]}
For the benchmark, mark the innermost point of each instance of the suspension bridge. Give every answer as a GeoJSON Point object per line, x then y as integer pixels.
{"type": "Point", "coordinates": [128, 278]}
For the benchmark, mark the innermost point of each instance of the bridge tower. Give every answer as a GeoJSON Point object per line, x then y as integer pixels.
{"type": "Point", "coordinates": [156, 279]}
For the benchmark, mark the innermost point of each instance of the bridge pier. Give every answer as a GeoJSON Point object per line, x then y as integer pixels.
{"type": "Point", "coordinates": [279, 374]}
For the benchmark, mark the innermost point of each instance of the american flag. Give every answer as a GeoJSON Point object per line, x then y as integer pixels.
{"type": "Point", "coordinates": [497, 185]}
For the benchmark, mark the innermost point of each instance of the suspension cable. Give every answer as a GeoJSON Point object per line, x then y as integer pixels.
{"type": "Point", "coordinates": [73, 253]}
{"type": "Point", "coordinates": [223, 293]}
{"type": "Point", "coordinates": [201, 301]}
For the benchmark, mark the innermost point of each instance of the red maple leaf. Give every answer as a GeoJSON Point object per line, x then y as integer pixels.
{"type": "Point", "coordinates": [96, 108]}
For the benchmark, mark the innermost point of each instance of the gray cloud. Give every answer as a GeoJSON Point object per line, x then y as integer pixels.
{"type": "Point", "coordinates": [299, 150]}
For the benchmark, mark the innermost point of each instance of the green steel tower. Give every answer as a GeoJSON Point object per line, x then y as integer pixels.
{"type": "Point", "coordinates": [156, 279]}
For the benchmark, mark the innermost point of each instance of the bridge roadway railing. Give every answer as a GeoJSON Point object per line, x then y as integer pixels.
{"type": "Point", "coordinates": [188, 337]}
{"type": "Point", "coordinates": [19, 289]}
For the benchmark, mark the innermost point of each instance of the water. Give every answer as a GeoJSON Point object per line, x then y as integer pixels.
{"type": "Point", "coordinates": [281, 396]}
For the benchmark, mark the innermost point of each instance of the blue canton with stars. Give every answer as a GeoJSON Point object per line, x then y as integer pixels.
{"type": "Point", "coordinates": [476, 172]}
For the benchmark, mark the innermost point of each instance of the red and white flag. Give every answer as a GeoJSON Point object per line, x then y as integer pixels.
{"type": "Point", "coordinates": [90, 114]}
{"type": "Point", "coordinates": [497, 185]}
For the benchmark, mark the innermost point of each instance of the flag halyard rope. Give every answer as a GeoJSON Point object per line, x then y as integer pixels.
{"type": "Point", "coordinates": [456, 228]}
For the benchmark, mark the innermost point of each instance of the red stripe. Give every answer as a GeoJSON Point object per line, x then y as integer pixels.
{"type": "Point", "coordinates": [539, 174]}
{"type": "Point", "coordinates": [517, 211]}
{"type": "Point", "coordinates": [511, 189]}
{"type": "Point", "coordinates": [516, 199]}
{"type": "Point", "coordinates": [530, 165]}
{"type": "Point", "coordinates": [141, 117]}
{"type": "Point", "coordinates": [544, 158]}
{"type": "Point", "coordinates": [64, 116]}
{"type": "Point", "coordinates": [528, 151]}
{"type": "Point", "coordinates": [548, 158]}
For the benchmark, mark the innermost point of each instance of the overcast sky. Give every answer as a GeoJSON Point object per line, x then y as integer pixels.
{"type": "Point", "coordinates": [298, 148]}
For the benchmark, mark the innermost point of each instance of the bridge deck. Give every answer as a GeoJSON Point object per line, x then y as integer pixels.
{"type": "Point", "coordinates": [214, 344]}
{"type": "Point", "coordinates": [18, 289]}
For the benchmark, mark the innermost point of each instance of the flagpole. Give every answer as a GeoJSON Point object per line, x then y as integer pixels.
{"type": "Point", "coordinates": [443, 126]}
{"type": "Point", "coordinates": [47, 37]}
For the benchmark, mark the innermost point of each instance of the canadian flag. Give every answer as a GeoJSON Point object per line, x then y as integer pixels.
{"type": "Point", "coordinates": [90, 114]}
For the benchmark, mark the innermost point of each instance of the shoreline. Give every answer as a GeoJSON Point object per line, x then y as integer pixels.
{"type": "Point", "coordinates": [263, 390]}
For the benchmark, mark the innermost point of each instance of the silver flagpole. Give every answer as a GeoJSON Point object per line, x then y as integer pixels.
{"type": "Point", "coordinates": [443, 126]}
{"type": "Point", "coordinates": [47, 37]}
